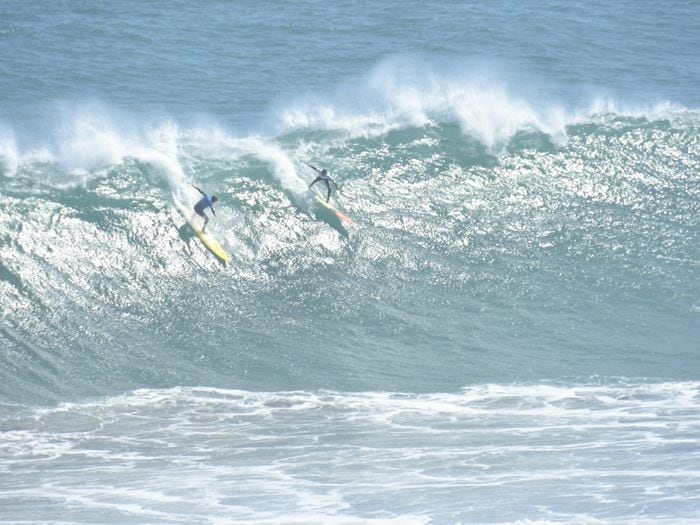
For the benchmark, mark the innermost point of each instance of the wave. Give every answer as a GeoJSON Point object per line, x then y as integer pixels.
{"type": "Point", "coordinates": [90, 142]}
{"type": "Point", "coordinates": [481, 258]}
{"type": "Point", "coordinates": [485, 102]}
{"type": "Point", "coordinates": [402, 93]}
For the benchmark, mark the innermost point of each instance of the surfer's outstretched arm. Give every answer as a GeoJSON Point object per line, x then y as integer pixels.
{"type": "Point", "coordinates": [196, 188]}
{"type": "Point", "coordinates": [313, 167]}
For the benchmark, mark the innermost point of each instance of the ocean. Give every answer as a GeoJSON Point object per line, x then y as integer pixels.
{"type": "Point", "coordinates": [508, 333]}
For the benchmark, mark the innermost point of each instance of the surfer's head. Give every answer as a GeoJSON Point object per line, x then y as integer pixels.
{"type": "Point", "coordinates": [214, 198]}
{"type": "Point", "coordinates": [324, 172]}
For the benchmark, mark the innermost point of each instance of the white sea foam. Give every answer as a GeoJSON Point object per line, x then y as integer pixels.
{"type": "Point", "coordinates": [586, 453]}
{"type": "Point", "coordinates": [91, 139]}
{"type": "Point", "coordinates": [408, 93]}
{"type": "Point", "coordinates": [544, 452]}
{"type": "Point", "coordinates": [395, 94]}
{"type": "Point", "coordinates": [8, 152]}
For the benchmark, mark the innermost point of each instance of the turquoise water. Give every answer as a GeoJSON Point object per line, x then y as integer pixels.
{"type": "Point", "coordinates": [508, 333]}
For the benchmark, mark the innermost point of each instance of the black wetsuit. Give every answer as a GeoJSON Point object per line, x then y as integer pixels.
{"type": "Point", "coordinates": [323, 176]}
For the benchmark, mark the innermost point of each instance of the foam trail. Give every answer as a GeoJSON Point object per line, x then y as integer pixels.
{"type": "Point", "coordinates": [164, 153]}
{"type": "Point", "coordinates": [282, 166]}
{"type": "Point", "coordinates": [215, 142]}
{"type": "Point", "coordinates": [13, 159]}
{"type": "Point", "coordinates": [8, 153]}
{"type": "Point", "coordinates": [91, 140]}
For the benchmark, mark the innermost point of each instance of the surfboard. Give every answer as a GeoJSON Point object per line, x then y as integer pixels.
{"type": "Point", "coordinates": [328, 205]}
{"type": "Point", "coordinates": [207, 238]}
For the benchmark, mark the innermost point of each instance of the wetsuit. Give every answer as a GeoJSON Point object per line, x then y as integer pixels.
{"type": "Point", "coordinates": [324, 177]}
{"type": "Point", "coordinates": [204, 203]}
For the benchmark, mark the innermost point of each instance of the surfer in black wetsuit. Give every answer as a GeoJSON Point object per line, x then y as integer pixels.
{"type": "Point", "coordinates": [204, 203]}
{"type": "Point", "coordinates": [323, 176]}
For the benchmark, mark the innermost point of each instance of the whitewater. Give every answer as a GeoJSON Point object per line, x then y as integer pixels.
{"type": "Point", "coordinates": [507, 333]}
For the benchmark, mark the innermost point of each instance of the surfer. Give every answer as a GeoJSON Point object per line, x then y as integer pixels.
{"type": "Point", "coordinates": [204, 203]}
{"type": "Point", "coordinates": [323, 176]}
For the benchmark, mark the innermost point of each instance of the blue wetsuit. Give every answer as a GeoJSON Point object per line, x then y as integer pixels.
{"type": "Point", "coordinates": [204, 203]}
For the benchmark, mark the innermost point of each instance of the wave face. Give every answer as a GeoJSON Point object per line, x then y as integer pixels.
{"type": "Point", "coordinates": [543, 255]}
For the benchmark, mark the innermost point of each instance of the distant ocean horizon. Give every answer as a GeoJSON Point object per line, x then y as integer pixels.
{"type": "Point", "coordinates": [506, 333]}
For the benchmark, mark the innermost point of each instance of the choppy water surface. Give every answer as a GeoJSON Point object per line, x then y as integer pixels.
{"type": "Point", "coordinates": [508, 333]}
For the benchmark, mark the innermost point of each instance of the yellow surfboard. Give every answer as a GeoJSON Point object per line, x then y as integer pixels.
{"type": "Point", "coordinates": [206, 237]}
{"type": "Point", "coordinates": [328, 205]}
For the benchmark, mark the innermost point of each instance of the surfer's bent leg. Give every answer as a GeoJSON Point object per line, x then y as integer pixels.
{"type": "Point", "coordinates": [199, 211]}
{"type": "Point", "coordinates": [328, 186]}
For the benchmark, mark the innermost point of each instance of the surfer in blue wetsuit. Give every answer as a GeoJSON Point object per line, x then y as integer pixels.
{"type": "Point", "coordinates": [204, 203]}
{"type": "Point", "coordinates": [323, 176]}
